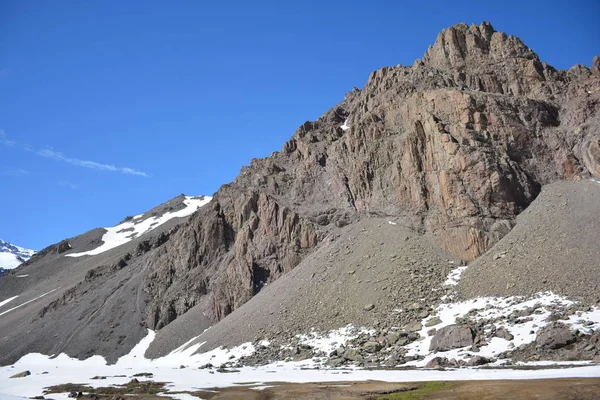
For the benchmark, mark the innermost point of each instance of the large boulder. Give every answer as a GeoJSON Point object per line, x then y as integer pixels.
{"type": "Point", "coordinates": [554, 337]}
{"type": "Point", "coordinates": [452, 337]}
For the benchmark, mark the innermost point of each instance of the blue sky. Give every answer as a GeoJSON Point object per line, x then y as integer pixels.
{"type": "Point", "coordinates": [108, 108]}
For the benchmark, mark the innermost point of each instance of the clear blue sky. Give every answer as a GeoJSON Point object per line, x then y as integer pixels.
{"type": "Point", "coordinates": [96, 94]}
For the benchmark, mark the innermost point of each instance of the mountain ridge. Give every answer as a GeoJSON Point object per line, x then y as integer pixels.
{"type": "Point", "coordinates": [452, 149]}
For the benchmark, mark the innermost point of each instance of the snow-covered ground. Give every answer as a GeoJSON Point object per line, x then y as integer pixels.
{"type": "Point", "coordinates": [333, 339]}
{"type": "Point", "coordinates": [524, 330]}
{"type": "Point", "coordinates": [46, 371]}
{"type": "Point", "coordinates": [186, 371]}
{"type": "Point", "coordinates": [129, 230]}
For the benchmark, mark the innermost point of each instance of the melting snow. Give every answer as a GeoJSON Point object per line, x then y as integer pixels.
{"type": "Point", "coordinates": [129, 230]}
{"type": "Point", "coordinates": [499, 309]}
{"type": "Point", "coordinates": [333, 339]}
{"type": "Point", "coordinates": [454, 276]}
{"type": "Point", "coordinates": [21, 305]}
{"type": "Point", "coordinates": [3, 302]}
{"type": "Point", "coordinates": [46, 371]}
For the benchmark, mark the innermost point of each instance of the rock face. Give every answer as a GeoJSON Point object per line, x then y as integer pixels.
{"type": "Point", "coordinates": [452, 337]}
{"type": "Point", "coordinates": [453, 147]}
{"type": "Point", "coordinates": [456, 145]}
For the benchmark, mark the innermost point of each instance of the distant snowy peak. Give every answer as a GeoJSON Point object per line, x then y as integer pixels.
{"type": "Point", "coordinates": [133, 227]}
{"type": "Point", "coordinates": [12, 256]}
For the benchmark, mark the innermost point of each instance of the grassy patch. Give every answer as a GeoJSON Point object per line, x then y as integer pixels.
{"type": "Point", "coordinates": [142, 390]}
{"type": "Point", "coordinates": [421, 392]}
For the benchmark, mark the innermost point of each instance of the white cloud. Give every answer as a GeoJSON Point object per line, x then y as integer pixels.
{"type": "Point", "coordinates": [58, 156]}
{"type": "Point", "coordinates": [5, 140]}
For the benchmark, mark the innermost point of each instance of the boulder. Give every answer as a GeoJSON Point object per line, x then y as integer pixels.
{"type": "Point", "coordinates": [414, 327]}
{"type": "Point", "coordinates": [433, 321]}
{"type": "Point", "coordinates": [372, 347]}
{"type": "Point", "coordinates": [478, 360]}
{"type": "Point", "coordinates": [437, 362]}
{"type": "Point", "coordinates": [452, 337]}
{"type": "Point", "coordinates": [369, 307]}
{"type": "Point", "coordinates": [503, 333]}
{"type": "Point", "coordinates": [21, 374]}
{"type": "Point", "coordinates": [352, 355]}
{"type": "Point", "coordinates": [554, 337]}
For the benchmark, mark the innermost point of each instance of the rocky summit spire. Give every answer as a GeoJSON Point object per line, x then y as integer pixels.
{"type": "Point", "coordinates": [463, 45]}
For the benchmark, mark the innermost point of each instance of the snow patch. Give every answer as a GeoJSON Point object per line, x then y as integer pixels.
{"type": "Point", "coordinates": [10, 261]}
{"type": "Point", "coordinates": [454, 276]}
{"type": "Point", "coordinates": [524, 329]}
{"type": "Point", "coordinates": [3, 302]}
{"type": "Point", "coordinates": [333, 339]}
{"type": "Point", "coordinates": [345, 126]}
{"type": "Point", "coordinates": [27, 302]}
{"type": "Point", "coordinates": [47, 372]}
{"type": "Point", "coordinates": [133, 228]}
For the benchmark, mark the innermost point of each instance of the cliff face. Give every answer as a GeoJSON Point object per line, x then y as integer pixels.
{"type": "Point", "coordinates": [455, 146]}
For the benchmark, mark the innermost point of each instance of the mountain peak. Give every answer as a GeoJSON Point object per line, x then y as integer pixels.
{"type": "Point", "coordinates": [12, 256]}
{"type": "Point", "coordinates": [462, 45]}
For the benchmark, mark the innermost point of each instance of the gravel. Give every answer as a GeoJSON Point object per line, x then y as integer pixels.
{"type": "Point", "coordinates": [554, 246]}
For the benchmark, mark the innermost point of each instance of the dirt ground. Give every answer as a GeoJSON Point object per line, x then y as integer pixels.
{"type": "Point", "coordinates": [576, 389]}
{"type": "Point", "coordinates": [547, 389]}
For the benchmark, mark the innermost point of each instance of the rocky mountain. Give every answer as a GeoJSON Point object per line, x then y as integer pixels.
{"type": "Point", "coordinates": [449, 151]}
{"type": "Point", "coordinates": [12, 256]}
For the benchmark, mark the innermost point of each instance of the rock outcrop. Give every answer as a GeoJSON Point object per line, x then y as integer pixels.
{"type": "Point", "coordinates": [456, 146]}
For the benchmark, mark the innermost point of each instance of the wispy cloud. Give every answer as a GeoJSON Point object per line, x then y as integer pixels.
{"type": "Point", "coordinates": [5, 140]}
{"type": "Point", "coordinates": [58, 156]}
{"type": "Point", "coordinates": [55, 155]}
{"type": "Point", "coordinates": [67, 184]}
{"type": "Point", "coordinates": [14, 172]}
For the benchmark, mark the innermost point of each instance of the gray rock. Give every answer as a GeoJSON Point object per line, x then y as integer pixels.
{"type": "Point", "coordinates": [392, 338]}
{"type": "Point", "coordinates": [554, 337]}
{"type": "Point", "coordinates": [352, 355]}
{"type": "Point", "coordinates": [437, 362]}
{"type": "Point", "coordinates": [503, 333]}
{"type": "Point", "coordinates": [369, 307]}
{"type": "Point", "coordinates": [335, 362]}
{"type": "Point", "coordinates": [478, 360]}
{"type": "Point", "coordinates": [21, 374]}
{"type": "Point", "coordinates": [452, 337]}
{"type": "Point", "coordinates": [372, 347]}
{"type": "Point", "coordinates": [414, 327]}
{"type": "Point", "coordinates": [433, 321]}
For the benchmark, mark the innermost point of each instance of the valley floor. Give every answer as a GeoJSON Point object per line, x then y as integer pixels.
{"type": "Point", "coordinates": [302, 380]}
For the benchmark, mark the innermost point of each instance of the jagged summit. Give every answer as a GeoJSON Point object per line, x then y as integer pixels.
{"type": "Point", "coordinates": [461, 45]}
